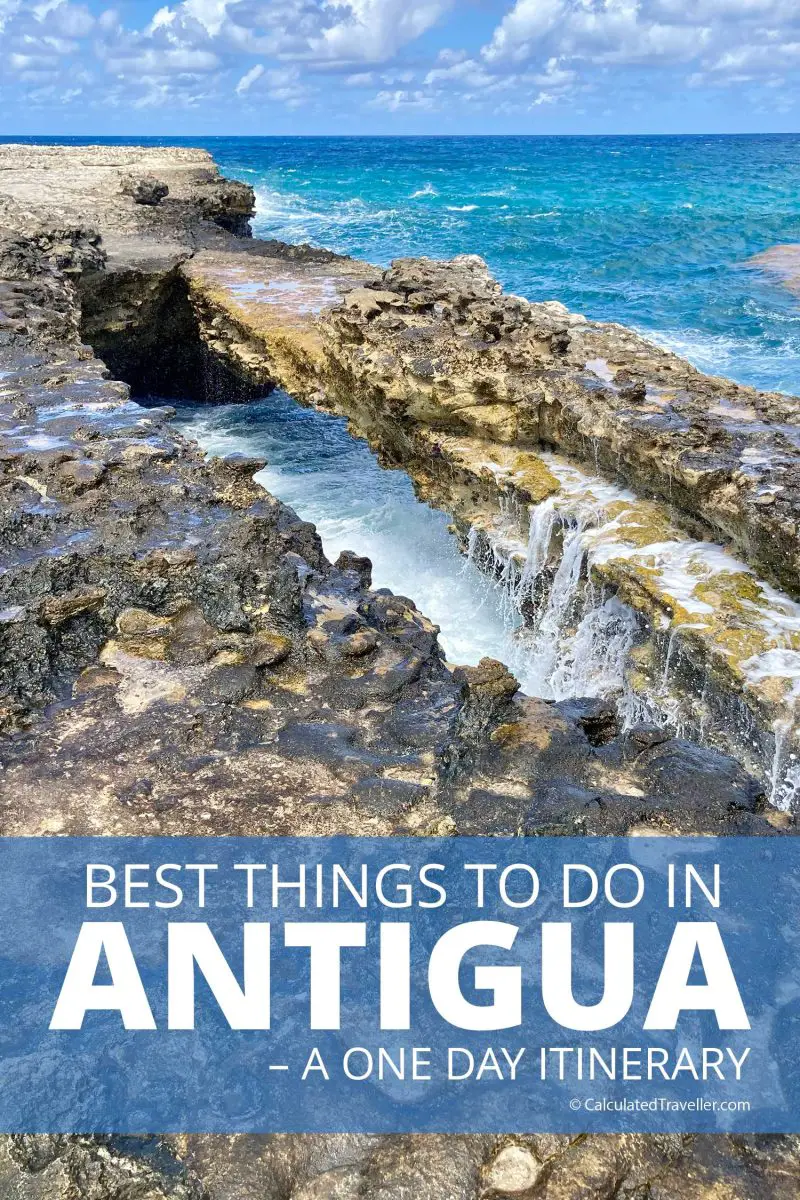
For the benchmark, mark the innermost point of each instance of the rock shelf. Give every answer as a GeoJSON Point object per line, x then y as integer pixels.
{"type": "Point", "coordinates": [469, 389]}
{"type": "Point", "coordinates": [178, 656]}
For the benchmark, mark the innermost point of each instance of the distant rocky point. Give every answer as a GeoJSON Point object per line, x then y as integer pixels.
{"type": "Point", "coordinates": [781, 261]}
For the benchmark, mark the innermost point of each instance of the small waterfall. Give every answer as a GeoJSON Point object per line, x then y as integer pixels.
{"type": "Point", "coordinates": [575, 641]}
{"type": "Point", "coordinates": [593, 661]}
{"type": "Point", "coordinates": [785, 773]}
{"type": "Point", "coordinates": [472, 545]}
{"type": "Point", "coordinates": [543, 521]}
{"type": "Point", "coordinates": [529, 599]}
{"type": "Point", "coordinates": [553, 629]}
{"type": "Point", "coordinates": [663, 705]}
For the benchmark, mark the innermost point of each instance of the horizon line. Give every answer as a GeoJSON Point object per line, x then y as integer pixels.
{"type": "Point", "coordinates": [403, 136]}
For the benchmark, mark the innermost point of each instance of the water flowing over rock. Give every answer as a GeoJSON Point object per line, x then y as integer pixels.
{"type": "Point", "coordinates": [471, 390]}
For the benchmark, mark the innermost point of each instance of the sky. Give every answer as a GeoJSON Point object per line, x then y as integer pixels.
{"type": "Point", "coordinates": [215, 67]}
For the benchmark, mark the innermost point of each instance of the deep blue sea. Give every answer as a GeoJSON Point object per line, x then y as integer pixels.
{"type": "Point", "coordinates": [649, 231]}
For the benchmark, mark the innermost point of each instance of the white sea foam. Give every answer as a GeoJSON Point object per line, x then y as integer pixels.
{"type": "Point", "coordinates": [737, 357]}
{"type": "Point", "coordinates": [313, 463]}
{"type": "Point", "coordinates": [292, 217]}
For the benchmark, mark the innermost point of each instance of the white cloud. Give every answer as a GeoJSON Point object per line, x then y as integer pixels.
{"type": "Point", "coordinates": [447, 57]}
{"type": "Point", "coordinates": [598, 31]}
{"type": "Point", "coordinates": [474, 82]}
{"type": "Point", "coordinates": [555, 75]}
{"type": "Point", "coordinates": [161, 19]}
{"type": "Point", "coordinates": [466, 73]}
{"type": "Point", "coordinates": [8, 9]}
{"type": "Point", "coordinates": [374, 30]}
{"type": "Point", "coordinates": [394, 101]}
{"type": "Point", "coordinates": [541, 52]}
{"type": "Point", "coordinates": [713, 34]}
{"type": "Point", "coordinates": [211, 14]}
{"type": "Point", "coordinates": [161, 60]}
{"type": "Point", "coordinates": [391, 78]}
{"type": "Point", "coordinates": [286, 86]}
{"type": "Point", "coordinates": [527, 23]}
{"type": "Point", "coordinates": [757, 59]}
{"type": "Point", "coordinates": [38, 40]}
{"type": "Point", "coordinates": [109, 20]}
{"type": "Point", "coordinates": [249, 78]}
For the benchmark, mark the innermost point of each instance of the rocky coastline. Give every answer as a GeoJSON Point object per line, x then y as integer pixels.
{"type": "Point", "coordinates": [178, 656]}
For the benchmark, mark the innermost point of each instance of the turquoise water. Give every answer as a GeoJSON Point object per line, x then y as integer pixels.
{"type": "Point", "coordinates": [648, 231]}
{"type": "Point", "coordinates": [651, 232]}
{"type": "Point", "coordinates": [313, 465]}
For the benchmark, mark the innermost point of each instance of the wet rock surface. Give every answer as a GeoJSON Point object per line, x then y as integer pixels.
{"type": "Point", "coordinates": [178, 656]}
{"type": "Point", "coordinates": [470, 390]}
{"type": "Point", "coordinates": [448, 348]}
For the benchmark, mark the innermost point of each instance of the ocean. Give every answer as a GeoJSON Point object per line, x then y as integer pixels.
{"type": "Point", "coordinates": [652, 232]}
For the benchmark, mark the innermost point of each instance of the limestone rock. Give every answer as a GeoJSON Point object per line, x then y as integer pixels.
{"type": "Point", "coordinates": [512, 1171]}
{"type": "Point", "coordinates": [159, 612]}
{"type": "Point", "coordinates": [144, 189]}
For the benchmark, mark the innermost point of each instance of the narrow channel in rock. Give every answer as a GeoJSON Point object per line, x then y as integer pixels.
{"type": "Point", "coordinates": [539, 607]}
{"type": "Point", "coordinates": [334, 480]}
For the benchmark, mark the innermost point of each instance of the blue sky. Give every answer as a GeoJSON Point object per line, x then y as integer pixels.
{"type": "Point", "coordinates": [399, 66]}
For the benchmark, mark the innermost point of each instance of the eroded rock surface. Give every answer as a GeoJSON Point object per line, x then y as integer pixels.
{"type": "Point", "coordinates": [440, 345]}
{"type": "Point", "coordinates": [471, 391]}
{"type": "Point", "coordinates": [466, 355]}
{"type": "Point", "coordinates": [178, 656]}
{"type": "Point", "coordinates": [741, 1167]}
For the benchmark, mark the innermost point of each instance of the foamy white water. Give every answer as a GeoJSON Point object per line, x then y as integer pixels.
{"type": "Point", "coordinates": [330, 478]}
{"type": "Point", "coordinates": [578, 641]}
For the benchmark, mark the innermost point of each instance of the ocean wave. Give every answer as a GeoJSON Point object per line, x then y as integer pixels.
{"type": "Point", "coordinates": [764, 312]}
{"type": "Point", "coordinates": [626, 246]}
{"type": "Point", "coordinates": [275, 210]}
{"type": "Point", "coordinates": [272, 205]}
{"type": "Point", "coordinates": [748, 360]}
{"type": "Point", "coordinates": [707, 351]}
{"type": "Point", "coordinates": [427, 190]}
